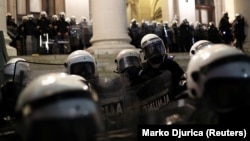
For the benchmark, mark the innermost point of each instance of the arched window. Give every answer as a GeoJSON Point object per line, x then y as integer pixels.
{"type": "Point", "coordinates": [205, 11]}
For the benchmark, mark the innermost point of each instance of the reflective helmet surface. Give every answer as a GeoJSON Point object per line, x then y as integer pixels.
{"type": "Point", "coordinates": [24, 18]}
{"type": "Point", "coordinates": [81, 62]}
{"type": "Point", "coordinates": [54, 17]}
{"type": "Point", "coordinates": [43, 14]}
{"type": "Point", "coordinates": [62, 15]}
{"type": "Point", "coordinates": [14, 68]}
{"type": "Point", "coordinates": [30, 16]}
{"type": "Point", "coordinates": [152, 45]}
{"type": "Point", "coordinates": [221, 74]}
{"type": "Point", "coordinates": [58, 106]}
{"type": "Point", "coordinates": [127, 58]}
{"type": "Point", "coordinates": [73, 18]}
{"type": "Point", "coordinates": [198, 46]}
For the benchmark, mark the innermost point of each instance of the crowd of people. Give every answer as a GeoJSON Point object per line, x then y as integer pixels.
{"type": "Point", "coordinates": [54, 34]}
{"type": "Point", "coordinates": [179, 37]}
{"type": "Point", "coordinates": [59, 35]}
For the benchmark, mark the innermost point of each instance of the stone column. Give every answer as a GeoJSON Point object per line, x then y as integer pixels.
{"type": "Point", "coordinates": [243, 8]}
{"type": "Point", "coordinates": [3, 10]}
{"type": "Point", "coordinates": [109, 27]}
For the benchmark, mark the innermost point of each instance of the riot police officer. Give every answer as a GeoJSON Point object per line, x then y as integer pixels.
{"type": "Point", "coordinates": [238, 28]}
{"type": "Point", "coordinates": [62, 30]}
{"type": "Point", "coordinates": [59, 106]}
{"type": "Point", "coordinates": [31, 35]}
{"type": "Point", "coordinates": [42, 28]}
{"type": "Point", "coordinates": [129, 66]}
{"type": "Point", "coordinates": [11, 29]}
{"type": "Point", "coordinates": [81, 62]}
{"type": "Point", "coordinates": [185, 36]}
{"type": "Point", "coordinates": [74, 34]}
{"type": "Point", "coordinates": [22, 35]}
{"type": "Point", "coordinates": [86, 33]}
{"type": "Point", "coordinates": [220, 82]}
{"type": "Point", "coordinates": [225, 29]}
{"type": "Point", "coordinates": [158, 61]}
{"type": "Point", "coordinates": [53, 34]}
{"type": "Point", "coordinates": [15, 76]}
{"type": "Point", "coordinates": [134, 33]}
{"type": "Point", "coordinates": [213, 34]}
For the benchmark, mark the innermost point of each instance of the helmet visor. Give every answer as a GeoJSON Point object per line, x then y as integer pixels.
{"type": "Point", "coordinates": [84, 69]}
{"type": "Point", "coordinates": [126, 62]}
{"type": "Point", "coordinates": [155, 48]}
{"type": "Point", "coordinates": [226, 94]}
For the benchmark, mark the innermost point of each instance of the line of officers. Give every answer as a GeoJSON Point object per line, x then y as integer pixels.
{"type": "Point", "coordinates": [214, 90]}
{"type": "Point", "coordinates": [44, 35]}
{"type": "Point", "coordinates": [179, 37]}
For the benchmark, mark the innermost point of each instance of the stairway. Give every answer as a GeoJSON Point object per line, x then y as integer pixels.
{"type": "Point", "coordinates": [105, 62]}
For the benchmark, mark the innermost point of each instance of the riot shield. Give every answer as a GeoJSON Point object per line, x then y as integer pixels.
{"type": "Point", "coordinates": [22, 73]}
{"type": "Point", "coordinates": [121, 106]}
{"type": "Point", "coordinates": [25, 71]}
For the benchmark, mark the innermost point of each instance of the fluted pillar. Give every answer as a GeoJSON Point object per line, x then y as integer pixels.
{"type": "Point", "coordinates": [3, 10]}
{"type": "Point", "coordinates": [109, 26]}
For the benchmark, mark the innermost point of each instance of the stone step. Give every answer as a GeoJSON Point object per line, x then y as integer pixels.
{"type": "Point", "coordinates": [105, 62]}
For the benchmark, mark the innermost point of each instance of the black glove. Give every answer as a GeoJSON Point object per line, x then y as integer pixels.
{"type": "Point", "coordinates": [133, 72]}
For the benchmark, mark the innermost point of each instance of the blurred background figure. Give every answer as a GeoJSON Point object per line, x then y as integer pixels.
{"type": "Point", "coordinates": [31, 35]}
{"type": "Point", "coordinates": [213, 34]}
{"type": "Point", "coordinates": [53, 34]}
{"type": "Point", "coordinates": [42, 28]}
{"type": "Point", "coordinates": [74, 34]}
{"type": "Point", "coordinates": [86, 33]}
{"type": "Point", "coordinates": [225, 29]}
{"type": "Point", "coordinates": [238, 28]}
{"type": "Point", "coordinates": [59, 107]}
{"type": "Point", "coordinates": [134, 32]}
{"type": "Point", "coordinates": [12, 29]}
{"type": "Point", "coordinates": [199, 32]}
{"type": "Point", "coordinates": [186, 36]}
{"type": "Point", "coordinates": [62, 34]}
{"type": "Point", "coordinates": [22, 36]}
{"type": "Point", "coordinates": [168, 37]}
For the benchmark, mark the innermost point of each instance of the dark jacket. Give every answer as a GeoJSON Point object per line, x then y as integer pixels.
{"type": "Point", "coordinates": [167, 64]}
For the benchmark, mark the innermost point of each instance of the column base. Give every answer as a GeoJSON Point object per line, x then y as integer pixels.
{"type": "Point", "coordinates": [112, 48]}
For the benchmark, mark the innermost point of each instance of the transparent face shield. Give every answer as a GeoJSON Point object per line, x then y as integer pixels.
{"type": "Point", "coordinates": [127, 62]}
{"type": "Point", "coordinates": [155, 48]}
{"type": "Point", "coordinates": [84, 69]}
